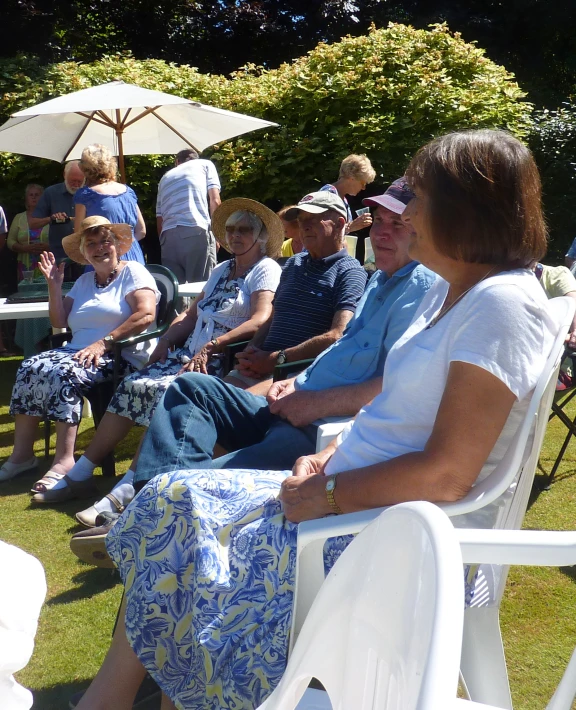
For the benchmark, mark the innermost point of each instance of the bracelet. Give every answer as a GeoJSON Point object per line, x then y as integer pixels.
{"type": "Point", "coordinates": [214, 342]}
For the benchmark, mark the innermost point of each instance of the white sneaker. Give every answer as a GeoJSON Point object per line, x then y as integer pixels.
{"type": "Point", "coordinates": [10, 470]}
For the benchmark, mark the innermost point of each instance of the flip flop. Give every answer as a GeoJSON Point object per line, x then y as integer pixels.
{"type": "Point", "coordinates": [48, 481]}
{"type": "Point", "coordinates": [7, 353]}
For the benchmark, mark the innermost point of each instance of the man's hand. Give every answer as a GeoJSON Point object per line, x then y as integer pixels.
{"type": "Point", "coordinates": [257, 363]}
{"type": "Point", "coordinates": [280, 389]}
{"type": "Point", "coordinates": [91, 355]}
{"type": "Point", "coordinates": [571, 340]}
{"type": "Point", "coordinates": [299, 408]}
{"type": "Point", "coordinates": [59, 216]}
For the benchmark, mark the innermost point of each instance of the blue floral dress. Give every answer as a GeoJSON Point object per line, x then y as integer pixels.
{"type": "Point", "coordinates": [208, 562]}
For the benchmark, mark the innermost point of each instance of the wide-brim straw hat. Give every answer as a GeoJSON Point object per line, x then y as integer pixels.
{"type": "Point", "coordinates": [122, 232]}
{"type": "Point", "coordinates": [272, 222]}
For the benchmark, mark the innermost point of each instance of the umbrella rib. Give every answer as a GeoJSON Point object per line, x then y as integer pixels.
{"type": "Point", "coordinates": [153, 111]}
{"type": "Point", "coordinates": [123, 121]}
{"type": "Point", "coordinates": [79, 135]}
{"type": "Point", "coordinates": [139, 116]}
{"type": "Point", "coordinates": [92, 117]}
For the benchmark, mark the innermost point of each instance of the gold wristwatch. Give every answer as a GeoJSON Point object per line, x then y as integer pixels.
{"type": "Point", "coordinates": [330, 487]}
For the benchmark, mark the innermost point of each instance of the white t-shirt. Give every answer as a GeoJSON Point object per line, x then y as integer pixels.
{"type": "Point", "coordinates": [502, 325]}
{"type": "Point", "coordinates": [263, 276]}
{"type": "Point", "coordinates": [183, 194]}
{"type": "Point", "coordinates": [97, 311]}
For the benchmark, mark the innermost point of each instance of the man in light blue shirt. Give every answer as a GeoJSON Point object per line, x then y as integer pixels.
{"type": "Point", "coordinates": [272, 432]}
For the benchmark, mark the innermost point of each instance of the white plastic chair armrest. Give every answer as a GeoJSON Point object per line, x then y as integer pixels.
{"type": "Point", "coordinates": [518, 547]}
{"type": "Point", "coordinates": [328, 430]}
{"type": "Point", "coordinates": [462, 704]}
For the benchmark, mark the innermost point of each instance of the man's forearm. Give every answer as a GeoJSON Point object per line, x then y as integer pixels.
{"type": "Point", "coordinates": [313, 347]}
{"type": "Point", "coordinates": [346, 401]}
{"type": "Point", "coordinates": [38, 222]}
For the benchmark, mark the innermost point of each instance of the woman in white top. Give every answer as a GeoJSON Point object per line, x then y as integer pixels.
{"type": "Point", "coordinates": [208, 557]}
{"type": "Point", "coordinates": [116, 300]}
{"type": "Point", "coordinates": [236, 300]}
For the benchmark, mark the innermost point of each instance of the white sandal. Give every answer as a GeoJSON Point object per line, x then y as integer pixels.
{"type": "Point", "coordinates": [9, 470]}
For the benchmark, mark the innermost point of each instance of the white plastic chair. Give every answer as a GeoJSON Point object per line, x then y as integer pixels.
{"type": "Point", "coordinates": [351, 244]}
{"type": "Point", "coordinates": [482, 642]}
{"type": "Point", "coordinates": [386, 627]}
{"type": "Point", "coordinates": [22, 593]}
{"type": "Point", "coordinates": [523, 547]}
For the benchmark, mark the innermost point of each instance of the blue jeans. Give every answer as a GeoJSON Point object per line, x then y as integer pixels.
{"type": "Point", "coordinates": [199, 410]}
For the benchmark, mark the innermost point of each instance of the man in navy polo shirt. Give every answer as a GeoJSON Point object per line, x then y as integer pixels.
{"type": "Point", "coordinates": [198, 410]}
{"type": "Point", "coordinates": [317, 295]}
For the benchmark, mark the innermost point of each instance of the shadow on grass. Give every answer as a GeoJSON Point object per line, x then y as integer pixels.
{"type": "Point", "coordinates": [569, 572]}
{"type": "Point", "coordinates": [57, 698]}
{"type": "Point", "coordinates": [92, 581]}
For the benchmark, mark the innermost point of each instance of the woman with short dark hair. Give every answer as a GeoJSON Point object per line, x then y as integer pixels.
{"type": "Point", "coordinates": [208, 557]}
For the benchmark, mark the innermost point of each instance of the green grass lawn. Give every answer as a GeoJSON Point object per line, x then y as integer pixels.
{"type": "Point", "coordinates": [538, 614]}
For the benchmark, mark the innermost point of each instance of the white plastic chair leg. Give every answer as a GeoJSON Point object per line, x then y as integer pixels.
{"type": "Point", "coordinates": [483, 664]}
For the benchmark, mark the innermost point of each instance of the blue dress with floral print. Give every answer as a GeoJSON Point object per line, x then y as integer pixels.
{"type": "Point", "coordinates": [208, 562]}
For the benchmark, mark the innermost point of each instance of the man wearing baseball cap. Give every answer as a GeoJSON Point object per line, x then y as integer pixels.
{"type": "Point", "coordinates": [317, 295]}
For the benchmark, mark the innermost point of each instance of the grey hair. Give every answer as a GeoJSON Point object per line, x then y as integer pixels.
{"type": "Point", "coordinates": [258, 226]}
{"type": "Point", "coordinates": [31, 186]}
{"type": "Point", "coordinates": [69, 165]}
{"type": "Point", "coordinates": [110, 235]}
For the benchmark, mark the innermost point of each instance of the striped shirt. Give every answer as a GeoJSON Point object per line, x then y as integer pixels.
{"type": "Point", "coordinates": [310, 292]}
{"type": "Point", "coordinates": [183, 194]}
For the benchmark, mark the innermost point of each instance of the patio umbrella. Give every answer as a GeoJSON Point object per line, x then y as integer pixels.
{"type": "Point", "coordinates": [128, 119]}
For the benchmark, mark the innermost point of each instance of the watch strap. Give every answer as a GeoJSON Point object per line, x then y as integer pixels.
{"type": "Point", "coordinates": [330, 496]}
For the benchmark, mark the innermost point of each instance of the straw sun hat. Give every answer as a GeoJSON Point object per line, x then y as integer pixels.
{"type": "Point", "coordinates": [122, 232]}
{"type": "Point", "coordinates": [272, 222]}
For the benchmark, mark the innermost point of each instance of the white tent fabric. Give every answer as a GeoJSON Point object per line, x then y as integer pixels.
{"type": "Point", "coordinates": [128, 119]}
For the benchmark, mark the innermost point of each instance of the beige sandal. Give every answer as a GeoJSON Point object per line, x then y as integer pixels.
{"type": "Point", "coordinates": [73, 489]}
{"type": "Point", "coordinates": [88, 517]}
{"type": "Point", "coordinates": [48, 481]}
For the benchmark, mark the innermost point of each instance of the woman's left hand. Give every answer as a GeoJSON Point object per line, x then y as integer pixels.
{"type": "Point", "coordinates": [304, 497]}
{"type": "Point", "coordinates": [91, 355]}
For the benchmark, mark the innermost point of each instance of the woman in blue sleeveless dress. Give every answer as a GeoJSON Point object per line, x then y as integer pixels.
{"type": "Point", "coordinates": [105, 197]}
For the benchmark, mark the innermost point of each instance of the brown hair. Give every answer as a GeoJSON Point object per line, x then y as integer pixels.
{"type": "Point", "coordinates": [485, 198]}
{"type": "Point", "coordinates": [282, 213]}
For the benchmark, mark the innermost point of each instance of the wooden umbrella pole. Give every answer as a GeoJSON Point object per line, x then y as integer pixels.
{"type": "Point", "coordinates": [119, 132]}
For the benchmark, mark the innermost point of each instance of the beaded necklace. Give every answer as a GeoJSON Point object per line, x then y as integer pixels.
{"type": "Point", "coordinates": [108, 280]}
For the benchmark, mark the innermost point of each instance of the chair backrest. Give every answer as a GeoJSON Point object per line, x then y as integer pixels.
{"type": "Point", "coordinates": [385, 630]}
{"type": "Point", "coordinates": [167, 284]}
{"type": "Point", "coordinates": [351, 244]}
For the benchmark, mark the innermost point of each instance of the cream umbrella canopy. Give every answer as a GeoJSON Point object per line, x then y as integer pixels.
{"type": "Point", "coordinates": [126, 118]}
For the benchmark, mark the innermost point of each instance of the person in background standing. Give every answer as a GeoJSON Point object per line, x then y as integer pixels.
{"type": "Point", "coordinates": [3, 230]}
{"type": "Point", "coordinates": [103, 196]}
{"type": "Point", "coordinates": [56, 208]}
{"type": "Point", "coordinates": [356, 172]}
{"type": "Point", "coordinates": [187, 197]}
{"type": "Point", "coordinates": [28, 244]}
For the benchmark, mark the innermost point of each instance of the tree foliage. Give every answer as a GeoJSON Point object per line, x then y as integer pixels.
{"type": "Point", "coordinates": [385, 93]}
{"type": "Point", "coordinates": [532, 38]}
{"type": "Point", "coordinates": [553, 141]}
